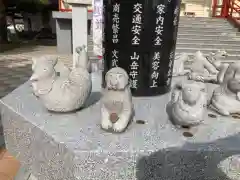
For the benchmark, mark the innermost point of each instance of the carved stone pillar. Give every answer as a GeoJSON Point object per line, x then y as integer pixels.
{"type": "Point", "coordinates": [79, 23]}
{"type": "Point", "coordinates": [140, 37]}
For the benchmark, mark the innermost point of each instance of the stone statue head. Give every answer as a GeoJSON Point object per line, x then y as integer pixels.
{"type": "Point", "coordinates": [43, 67]}
{"type": "Point", "coordinates": [192, 92]}
{"type": "Point", "coordinates": [116, 79]}
{"type": "Point", "coordinates": [232, 72]}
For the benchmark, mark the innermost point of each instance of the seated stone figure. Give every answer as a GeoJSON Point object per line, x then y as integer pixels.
{"type": "Point", "coordinates": [226, 98]}
{"type": "Point", "coordinates": [117, 108]}
{"type": "Point", "coordinates": [206, 69]}
{"type": "Point", "coordinates": [188, 104]}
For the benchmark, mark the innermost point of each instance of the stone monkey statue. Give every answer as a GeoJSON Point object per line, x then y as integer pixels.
{"type": "Point", "coordinates": [117, 107]}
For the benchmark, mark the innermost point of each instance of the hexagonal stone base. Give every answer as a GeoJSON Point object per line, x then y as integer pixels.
{"type": "Point", "coordinates": [73, 146]}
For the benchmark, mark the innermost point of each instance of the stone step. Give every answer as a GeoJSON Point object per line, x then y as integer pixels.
{"type": "Point", "coordinates": [207, 40]}
{"type": "Point", "coordinates": [205, 45]}
{"type": "Point", "coordinates": [207, 50]}
{"type": "Point", "coordinates": [207, 29]}
{"type": "Point", "coordinates": [201, 19]}
{"type": "Point", "coordinates": [223, 22]}
{"type": "Point", "coordinates": [220, 36]}
{"type": "Point", "coordinates": [204, 31]}
{"type": "Point", "coordinates": [206, 26]}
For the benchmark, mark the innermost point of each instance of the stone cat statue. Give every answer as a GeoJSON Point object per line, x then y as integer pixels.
{"type": "Point", "coordinates": [62, 93]}
{"type": "Point", "coordinates": [226, 98]}
{"type": "Point", "coordinates": [116, 107]}
{"type": "Point", "coordinates": [59, 67]}
{"type": "Point", "coordinates": [188, 104]}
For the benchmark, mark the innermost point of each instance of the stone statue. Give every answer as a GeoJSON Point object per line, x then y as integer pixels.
{"type": "Point", "coordinates": [206, 69]}
{"type": "Point", "coordinates": [59, 67]}
{"type": "Point", "coordinates": [231, 167]}
{"type": "Point", "coordinates": [188, 104]}
{"type": "Point", "coordinates": [226, 98]}
{"type": "Point", "coordinates": [117, 107]}
{"type": "Point", "coordinates": [62, 93]}
{"type": "Point", "coordinates": [178, 68]}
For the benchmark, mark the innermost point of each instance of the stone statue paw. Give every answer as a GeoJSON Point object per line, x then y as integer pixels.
{"type": "Point", "coordinates": [188, 104]}
{"type": "Point", "coordinates": [225, 98]}
{"type": "Point", "coordinates": [61, 93]}
{"type": "Point", "coordinates": [116, 107]}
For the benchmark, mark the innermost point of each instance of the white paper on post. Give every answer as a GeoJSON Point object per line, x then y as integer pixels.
{"type": "Point", "coordinates": [97, 27]}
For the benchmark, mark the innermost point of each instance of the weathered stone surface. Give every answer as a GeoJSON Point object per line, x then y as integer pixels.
{"type": "Point", "coordinates": [73, 146]}
{"type": "Point", "coordinates": [231, 167]}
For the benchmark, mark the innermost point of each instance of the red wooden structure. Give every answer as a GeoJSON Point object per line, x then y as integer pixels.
{"type": "Point", "coordinates": [229, 9]}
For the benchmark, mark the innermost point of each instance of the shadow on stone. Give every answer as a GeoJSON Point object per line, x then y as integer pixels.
{"type": "Point", "coordinates": [93, 99]}
{"type": "Point", "coordinates": [189, 162]}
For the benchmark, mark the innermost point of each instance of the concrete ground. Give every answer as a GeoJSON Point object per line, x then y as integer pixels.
{"type": "Point", "coordinates": [15, 64]}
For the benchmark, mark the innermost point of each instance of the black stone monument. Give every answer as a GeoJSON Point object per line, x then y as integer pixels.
{"type": "Point", "coordinates": [140, 36]}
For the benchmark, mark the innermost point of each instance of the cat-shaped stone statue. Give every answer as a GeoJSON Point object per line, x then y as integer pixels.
{"type": "Point", "coordinates": [117, 107]}
{"type": "Point", "coordinates": [188, 104]}
{"type": "Point", "coordinates": [62, 93]}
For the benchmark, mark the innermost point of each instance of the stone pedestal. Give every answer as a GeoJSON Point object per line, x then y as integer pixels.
{"type": "Point", "coordinates": [73, 146]}
{"type": "Point", "coordinates": [79, 23]}
{"type": "Point", "coordinates": [64, 31]}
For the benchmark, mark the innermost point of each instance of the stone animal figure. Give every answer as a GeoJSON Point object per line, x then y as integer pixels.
{"type": "Point", "coordinates": [62, 93]}
{"type": "Point", "coordinates": [188, 103]}
{"type": "Point", "coordinates": [206, 69]}
{"type": "Point", "coordinates": [230, 166]}
{"type": "Point", "coordinates": [226, 98]}
{"type": "Point", "coordinates": [116, 107]}
{"type": "Point", "coordinates": [46, 60]}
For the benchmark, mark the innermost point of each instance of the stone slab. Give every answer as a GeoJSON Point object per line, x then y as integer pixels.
{"type": "Point", "coordinates": [67, 15]}
{"type": "Point", "coordinates": [79, 2]}
{"type": "Point", "coordinates": [72, 146]}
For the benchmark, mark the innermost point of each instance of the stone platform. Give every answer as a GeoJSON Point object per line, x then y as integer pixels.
{"type": "Point", "coordinates": [72, 146]}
